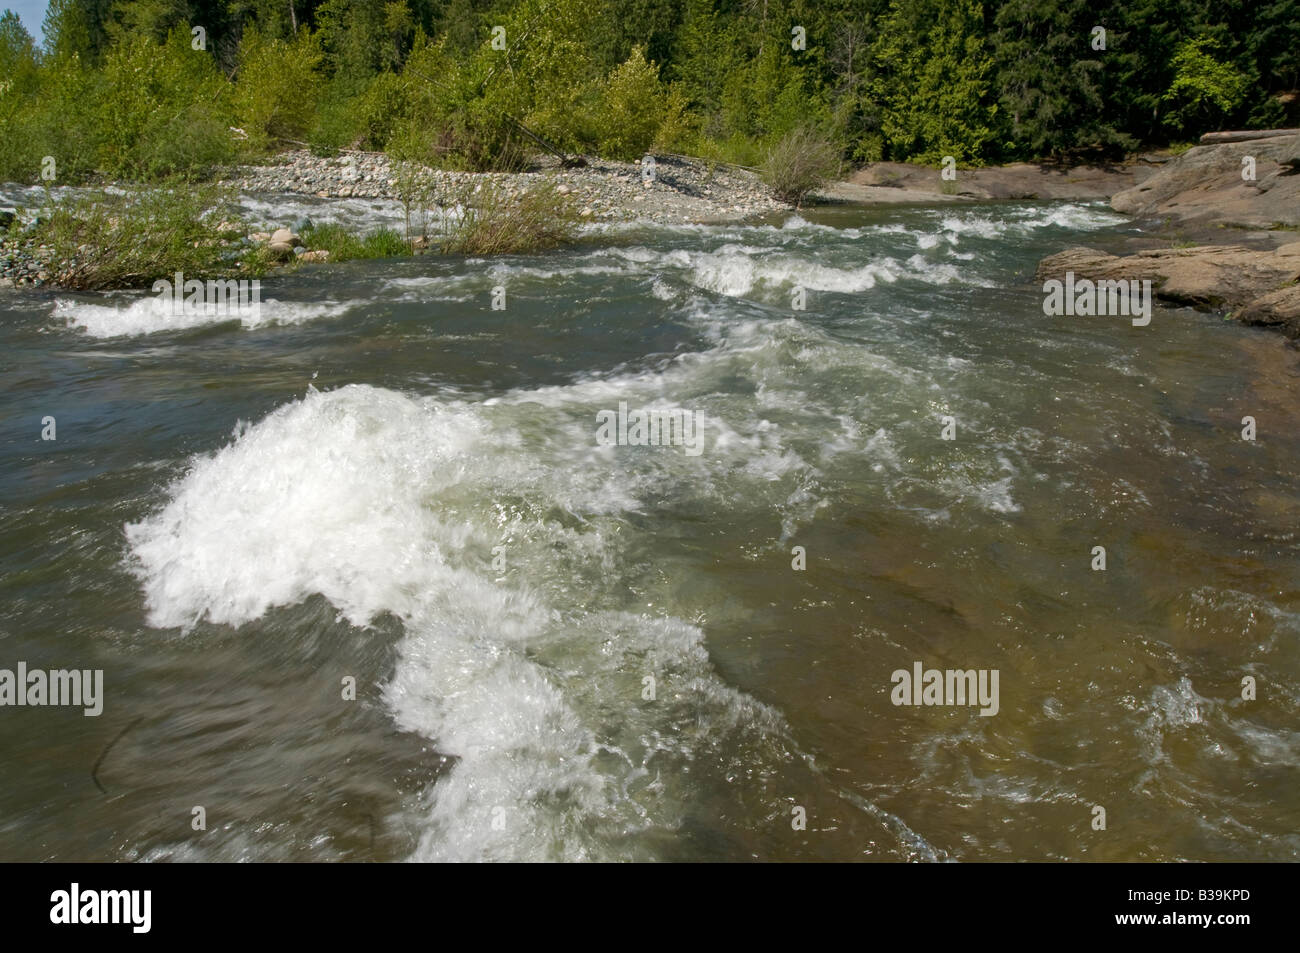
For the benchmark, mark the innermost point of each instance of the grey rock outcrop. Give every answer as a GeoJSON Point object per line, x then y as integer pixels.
{"type": "Point", "coordinates": [1206, 185]}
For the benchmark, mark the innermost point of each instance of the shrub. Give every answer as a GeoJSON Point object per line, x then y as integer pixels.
{"type": "Point", "coordinates": [123, 241]}
{"type": "Point", "coordinates": [738, 149]}
{"type": "Point", "coordinates": [151, 111]}
{"type": "Point", "coordinates": [418, 194]}
{"type": "Point", "coordinates": [631, 109]}
{"type": "Point", "coordinates": [382, 109]}
{"type": "Point", "coordinates": [678, 127]}
{"type": "Point", "coordinates": [20, 152]}
{"type": "Point", "coordinates": [800, 162]}
{"type": "Point", "coordinates": [60, 118]}
{"type": "Point", "coordinates": [1204, 91]}
{"type": "Point", "coordinates": [337, 124]}
{"type": "Point", "coordinates": [449, 120]}
{"type": "Point", "coordinates": [492, 223]}
{"type": "Point", "coordinates": [277, 86]}
{"type": "Point", "coordinates": [163, 110]}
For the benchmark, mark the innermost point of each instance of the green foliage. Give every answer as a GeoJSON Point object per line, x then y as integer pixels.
{"type": "Point", "coordinates": [418, 194]}
{"type": "Point", "coordinates": [338, 123]}
{"type": "Point", "coordinates": [547, 77]}
{"type": "Point", "coordinates": [382, 109]}
{"type": "Point", "coordinates": [123, 241]}
{"type": "Point", "coordinates": [767, 97]}
{"type": "Point", "coordinates": [19, 83]}
{"type": "Point", "coordinates": [344, 245]}
{"type": "Point", "coordinates": [165, 109]}
{"type": "Point", "coordinates": [17, 51]}
{"type": "Point", "coordinates": [635, 111]}
{"type": "Point", "coordinates": [277, 87]}
{"type": "Point", "coordinates": [447, 120]}
{"type": "Point", "coordinates": [68, 30]}
{"type": "Point", "coordinates": [705, 57]}
{"type": "Point", "coordinates": [1205, 90]}
{"type": "Point", "coordinates": [117, 90]}
{"type": "Point", "coordinates": [364, 37]}
{"type": "Point", "coordinates": [1050, 79]}
{"type": "Point", "coordinates": [496, 224]}
{"type": "Point", "coordinates": [935, 79]}
{"type": "Point", "coordinates": [736, 149]}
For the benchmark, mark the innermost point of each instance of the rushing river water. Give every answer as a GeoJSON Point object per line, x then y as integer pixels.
{"type": "Point", "coordinates": [568, 650]}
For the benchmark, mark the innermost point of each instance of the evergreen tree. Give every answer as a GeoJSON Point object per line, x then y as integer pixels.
{"type": "Point", "coordinates": [1051, 80]}
{"type": "Point", "coordinates": [935, 80]}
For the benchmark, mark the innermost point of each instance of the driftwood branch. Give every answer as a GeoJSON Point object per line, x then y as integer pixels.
{"type": "Point", "coordinates": [1246, 135]}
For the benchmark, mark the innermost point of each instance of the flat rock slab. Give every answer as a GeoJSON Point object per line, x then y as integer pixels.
{"type": "Point", "coordinates": [1257, 287]}
{"type": "Point", "coordinates": [903, 182]}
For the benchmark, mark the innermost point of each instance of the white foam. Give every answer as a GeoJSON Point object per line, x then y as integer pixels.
{"type": "Point", "coordinates": [153, 314]}
{"type": "Point", "coordinates": [385, 503]}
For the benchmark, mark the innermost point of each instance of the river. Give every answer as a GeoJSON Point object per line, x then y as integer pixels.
{"type": "Point", "coordinates": [568, 650]}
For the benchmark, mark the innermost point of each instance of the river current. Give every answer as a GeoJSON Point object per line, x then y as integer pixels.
{"type": "Point", "coordinates": [563, 649]}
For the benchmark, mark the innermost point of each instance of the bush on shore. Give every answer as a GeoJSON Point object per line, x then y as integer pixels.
{"type": "Point", "coordinates": [109, 240]}
{"type": "Point", "coordinates": [800, 163]}
{"type": "Point", "coordinates": [493, 223]}
{"type": "Point", "coordinates": [277, 86]}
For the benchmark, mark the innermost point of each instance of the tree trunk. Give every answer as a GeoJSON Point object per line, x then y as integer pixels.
{"type": "Point", "coordinates": [1245, 135]}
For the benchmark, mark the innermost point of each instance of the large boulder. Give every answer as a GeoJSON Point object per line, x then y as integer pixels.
{"type": "Point", "coordinates": [1280, 309]}
{"type": "Point", "coordinates": [1205, 185]}
{"type": "Point", "coordinates": [1292, 158]}
{"type": "Point", "coordinates": [282, 243]}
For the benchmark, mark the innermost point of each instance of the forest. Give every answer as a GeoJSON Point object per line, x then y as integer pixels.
{"type": "Point", "coordinates": [138, 91]}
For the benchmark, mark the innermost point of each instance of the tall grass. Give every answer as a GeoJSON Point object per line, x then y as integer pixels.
{"type": "Point", "coordinates": [800, 163]}
{"type": "Point", "coordinates": [114, 240]}
{"type": "Point", "coordinates": [495, 223]}
{"type": "Point", "coordinates": [344, 245]}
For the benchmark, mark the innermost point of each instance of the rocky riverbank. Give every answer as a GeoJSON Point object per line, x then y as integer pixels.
{"type": "Point", "coordinates": [1253, 184]}
{"type": "Point", "coordinates": [675, 190]}
{"type": "Point", "coordinates": [26, 264]}
{"type": "Point", "coordinates": [1224, 216]}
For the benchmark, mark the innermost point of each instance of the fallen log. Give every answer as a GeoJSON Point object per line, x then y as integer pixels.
{"type": "Point", "coordinates": [1245, 135]}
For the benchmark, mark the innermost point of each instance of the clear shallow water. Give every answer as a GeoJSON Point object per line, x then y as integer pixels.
{"type": "Point", "coordinates": [235, 517]}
